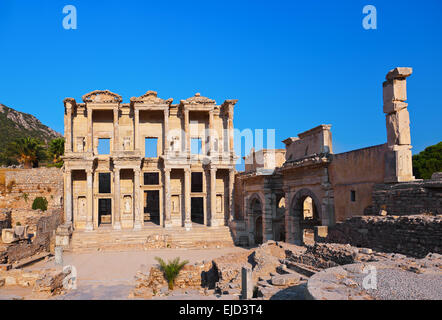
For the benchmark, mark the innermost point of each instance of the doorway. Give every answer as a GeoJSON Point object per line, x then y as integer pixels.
{"type": "Point", "coordinates": [197, 210]}
{"type": "Point", "coordinates": [104, 211]}
{"type": "Point", "coordinates": [152, 206]}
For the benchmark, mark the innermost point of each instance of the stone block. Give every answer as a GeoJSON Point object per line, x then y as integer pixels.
{"type": "Point", "coordinates": [394, 90]}
{"type": "Point", "coordinates": [398, 128]}
{"type": "Point", "coordinates": [320, 232]}
{"type": "Point", "coordinates": [8, 235]}
{"type": "Point", "coordinates": [398, 165]}
{"type": "Point", "coordinates": [394, 106]}
{"type": "Point", "coordinates": [246, 283]}
{"type": "Point", "coordinates": [400, 72]}
{"type": "Point", "coordinates": [285, 279]}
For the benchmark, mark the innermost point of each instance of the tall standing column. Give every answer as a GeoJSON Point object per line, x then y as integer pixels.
{"type": "Point", "coordinates": [68, 196]}
{"type": "Point", "coordinates": [68, 128]}
{"type": "Point", "coordinates": [231, 194]}
{"type": "Point", "coordinates": [186, 131]}
{"type": "Point", "coordinates": [211, 133]}
{"type": "Point", "coordinates": [90, 133]}
{"type": "Point", "coordinates": [90, 200]}
{"type": "Point", "coordinates": [230, 127]}
{"type": "Point", "coordinates": [139, 218]}
{"type": "Point", "coordinates": [267, 226]}
{"type": "Point", "coordinates": [167, 209]}
{"type": "Point", "coordinates": [116, 142]}
{"type": "Point", "coordinates": [213, 216]}
{"type": "Point", "coordinates": [136, 126]}
{"type": "Point", "coordinates": [166, 131]}
{"type": "Point", "coordinates": [117, 198]}
{"type": "Point", "coordinates": [187, 220]}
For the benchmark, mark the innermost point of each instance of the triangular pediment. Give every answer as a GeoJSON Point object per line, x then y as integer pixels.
{"type": "Point", "coordinates": [102, 96]}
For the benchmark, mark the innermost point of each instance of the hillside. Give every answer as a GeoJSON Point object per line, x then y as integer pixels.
{"type": "Point", "coordinates": [15, 124]}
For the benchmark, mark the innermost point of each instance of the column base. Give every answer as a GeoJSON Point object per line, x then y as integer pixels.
{"type": "Point", "coordinates": [168, 224]}
{"type": "Point", "coordinates": [137, 225]}
{"type": "Point", "coordinates": [117, 226]}
{"type": "Point", "coordinates": [89, 227]}
{"type": "Point", "coordinates": [188, 225]}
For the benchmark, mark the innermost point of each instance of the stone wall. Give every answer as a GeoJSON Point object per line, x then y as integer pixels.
{"type": "Point", "coordinates": [44, 230]}
{"type": "Point", "coordinates": [24, 185]}
{"type": "Point", "coordinates": [408, 198]}
{"type": "Point", "coordinates": [415, 236]}
{"type": "Point", "coordinates": [5, 219]}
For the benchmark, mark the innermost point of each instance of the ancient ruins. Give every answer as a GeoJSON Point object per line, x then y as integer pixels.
{"type": "Point", "coordinates": [297, 223]}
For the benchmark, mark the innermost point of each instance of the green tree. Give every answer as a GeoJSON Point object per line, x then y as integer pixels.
{"type": "Point", "coordinates": [27, 151]}
{"type": "Point", "coordinates": [428, 161]}
{"type": "Point", "coordinates": [171, 269]}
{"type": "Point", "coordinates": [56, 149]}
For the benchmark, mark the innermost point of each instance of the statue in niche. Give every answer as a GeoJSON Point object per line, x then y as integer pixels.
{"type": "Point", "coordinates": [81, 206]}
{"type": "Point", "coordinates": [127, 204]}
{"type": "Point", "coordinates": [126, 143]}
{"type": "Point", "coordinates": [80, 144]}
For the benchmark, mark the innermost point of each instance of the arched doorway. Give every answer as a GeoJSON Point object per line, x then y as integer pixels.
{"type": "Point", "coordinates": [306, 214]}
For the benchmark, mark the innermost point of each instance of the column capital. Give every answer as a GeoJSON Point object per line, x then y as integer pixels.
{"type": "Point", "coordinates": [89, 171]}
{"type": "Point", "coordinates": [187, 170]}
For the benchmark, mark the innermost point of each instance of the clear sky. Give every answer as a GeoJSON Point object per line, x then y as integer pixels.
{"type": "Point", "coordinates": [292, 64]}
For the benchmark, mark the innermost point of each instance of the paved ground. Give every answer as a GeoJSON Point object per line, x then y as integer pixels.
{"type": "Point", "coordinates": [110, 274]}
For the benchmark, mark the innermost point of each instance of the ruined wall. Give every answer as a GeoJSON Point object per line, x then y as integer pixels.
{"type": "Point", "coordinates": [5, 219]}
{"type": "Point", "coordinates": [410, 235]}
{"type": "Point", "coordinates": [37, 182]}
{"type": "Point", "coordinates": [44, 229]}
{"type": "Point", "coordinates": [407, 198]}
{"type": "Point", "coordinates": [358, 171]}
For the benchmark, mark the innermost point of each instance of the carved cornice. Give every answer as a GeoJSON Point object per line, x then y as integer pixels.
{"type": "Point", "coordinates": [198, 99]}
{"type": "Point", "coordinates": [150, 97]}
{"type": "Point", "coordinates": [102, 96]}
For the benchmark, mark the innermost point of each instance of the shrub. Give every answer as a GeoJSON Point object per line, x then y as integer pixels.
{"type": "Point", "coordinates": [40, 203]}
{"type": "Point", "coordinates": [10, 185]}
{"type": "Point", "coordinates": [18, 223]}
{"type": "Point", "coordinates": [171, 269]}
{"type": "Point", "coordinates": [25, 196]}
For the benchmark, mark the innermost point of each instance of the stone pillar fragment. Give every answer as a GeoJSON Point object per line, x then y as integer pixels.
{"type": "Point", "coordinates": [246, 283]}
{"type": "Point", "coordinates": [398, 165]}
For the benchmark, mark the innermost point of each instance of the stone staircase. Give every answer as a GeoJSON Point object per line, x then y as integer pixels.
{"type": "Point", "coordinates": [151, 237]}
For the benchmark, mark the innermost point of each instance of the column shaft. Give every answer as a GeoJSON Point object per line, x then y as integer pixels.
{"type": "Point", "coordinates": [167, 204]}
{"type": "Point", "coordinates": [90, 133]}
{"type": "Point", "coordinates": [136, 133]}
{"type": "Point", "coordinates": [116, 142]}
{"type": "Point", "coordinates": [117, 199]}
{"type": "Point", "coordinates": [231, 194]}
{"type": "Point", "coordinates": [213, 215]}
{"type": "Point", "coordinates": [68, 129]}
{"type": "Point", "coordinates": [166, 143]}
{"type": "Point", "coordinates": [90, 201]}
{"type": "Point", "coordinates": [139, 218]}
{"type": "Point", "coordinates": [188, 220]}
{"type": "Point", "coordinates": [186, 130]}
{"type": "Point", "coordinates": [68, 196]}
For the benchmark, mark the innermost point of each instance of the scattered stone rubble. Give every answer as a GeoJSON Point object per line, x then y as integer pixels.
{"type": "Point", "coordinates": [279, 270]}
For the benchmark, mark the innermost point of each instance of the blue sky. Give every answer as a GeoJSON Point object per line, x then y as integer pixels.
{"type": "Point", "coordinates": [292, 64]}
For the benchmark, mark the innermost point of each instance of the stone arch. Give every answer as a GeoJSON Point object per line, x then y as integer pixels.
{"type": "Point", "coordinates": [298, 222]}
{"type": "Point", "coordinates": [255, 208]}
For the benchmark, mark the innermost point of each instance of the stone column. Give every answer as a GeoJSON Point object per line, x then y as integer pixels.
{"type": "Point", "coordinates": [68, 196]}
{"type": "Point", "coordinates": [139, 218]}
{"type": "Point", "coordinates": [231, 194]}
{"type": "Point", "coordinates": [213, 215]}
{"type": "Point", "coordinates": [398, 161]}
{"type": "Point", "coordinates": [136, 126]}
{"type": "Point", "coordinates": [287, 217]}
{"type": "Point", "coordinates": [230, 127]}
{"type": "Point", "coordinates": [90, 133]}
{"type": "Point", "coordinates": [166, 131]}
{"type": "Point", "coordinates": [211, 133]}
{"type": "Point", "coordinates": [246, 283]}
{"type": "Point", "coordinates": [116, 142]}
{"type": "Point", "coordinates": [187, 220]}
{"type": "Point", "coordinates": [90, 200]}
{"type": "Point", "coordinates": [187, 131]}
{"type": "Point", "coordinates": [267, 223]}
{"type": "Point", "coordinates": [206, 206]}
{"type": "Point", "coordinates": [167, 199]}
{"type": "Point", "coordinates": [117, 198]}
{"type": "Point", "coordinates": [68, 128]}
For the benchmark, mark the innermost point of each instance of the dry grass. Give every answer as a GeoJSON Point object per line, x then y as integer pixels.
{"type": "Point", "coordinates": [2, 176]}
